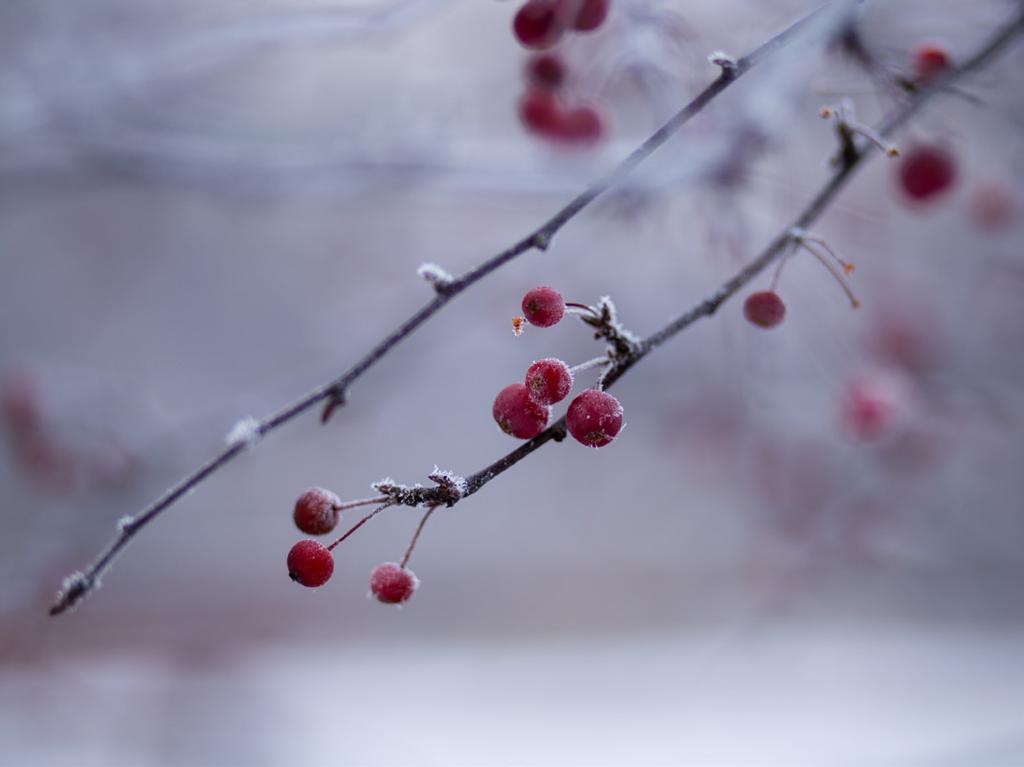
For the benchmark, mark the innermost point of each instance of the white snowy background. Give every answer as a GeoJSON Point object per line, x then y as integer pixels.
{"type": "Point", "coordinates": [207, 209]}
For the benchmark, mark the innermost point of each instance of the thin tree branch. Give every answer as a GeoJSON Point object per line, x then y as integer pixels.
{"type": "Point", "coordinates": [814, 209]}
{"type": "Point", "coordinates": [79, 584]}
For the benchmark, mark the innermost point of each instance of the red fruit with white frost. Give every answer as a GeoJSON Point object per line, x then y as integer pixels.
{"type": "Point", "coordinates": [392, 584]}
{"type": "Point", "coordinates": [594, 418]}
{"type": "Point", "coordinates": [517, 414]}
{"type": "Point", "coordinates": [310, 563]}
{"type": "Point", "coordinates": [316, 511]}
{"type": "Point", "coordinates": [549, 381]}
{"type": "Point", "coordinates": [543, 307]}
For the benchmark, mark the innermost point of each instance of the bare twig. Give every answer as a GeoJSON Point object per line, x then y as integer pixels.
{"type": "Point", "coordinates": [778, 246]}
{"type": "Point", "coordinates": [332, 394]}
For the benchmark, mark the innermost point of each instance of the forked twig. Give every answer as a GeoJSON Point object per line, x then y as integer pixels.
{"type": "Point", "coordinates": [79, 584]}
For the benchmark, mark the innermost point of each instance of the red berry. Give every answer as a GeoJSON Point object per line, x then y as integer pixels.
{"type": "Point", "coordinates": [536, 25]}
{"type": "Point", "coordinates": [316, 511]}
{"type": "Point", "coordinates": [545, 70]}
{"type": "Point", "coordinates": [992, 206]}
{"type": "Point", "coordinates": [594, 418]}
{"type": "Point", "coordinates": [582, 124]}
{"type": "Point", "coordinates": [583, 15]}
{"type": "Point", "coordinates": [543, 307]}
{"type": "Point", "coordinates": [310, 563]}
{"type": "Point", "coordinates": [930, 60]}
{"type": "Point", "coordinates": [926, 172]}
{"type": "Point", "coordinates": [517, 414]}
{"type": "Point", "coordinates": [392, 584]}
{"type": "Point", "coordinates": [870, 405]}
{"type": "Point", "coordinates": [540, 113]}
{"type": "Point", "coordinates": [764, 309]}
{"type": "Point", "coordinates": [549, 381]}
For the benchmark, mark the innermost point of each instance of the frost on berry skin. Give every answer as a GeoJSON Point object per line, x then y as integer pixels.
{"type": "Point", "coordinates": [930, 61]}
{"type": "Point", "coordinates": [764, 309]}
{"type": "Point", "coordinates": [543, 307]}
{"type": "Point", "coordinates": [549, 381]}
{"type": "Point", "coordinates": [594, 418]}
{"type": "Point", "coordinates": [316, 511]}
{"type": "Point", "coordinates": [310, 563]}
{"type": "Point", "coordinates": [545, 70]}
{"type": "Point", "coordinates": [392, 584]}
{"type": "Point", "coordinates": [536, 25]}
{"type": "Point", "coordinates": [926, 172]}
{"type": "Point", "coordinates": [583, 15]}
{"type": "Point", "coordinates": [517, 414]}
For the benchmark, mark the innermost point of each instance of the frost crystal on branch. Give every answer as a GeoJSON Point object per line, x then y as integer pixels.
{"type": "Point", "coordinates": [72, 590]}
{"type": "Point", "coordinates": [402, 495]}
{"type": "Point", "coordinates": [436, 276]}
{"type": "Point", "coordinates": [245, 433]}
{"type": "Point", "coordinates": [451, 487]}
{"type": "Point", "coordinates": [723, 60]}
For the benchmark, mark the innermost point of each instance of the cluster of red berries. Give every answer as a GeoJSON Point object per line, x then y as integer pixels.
{"type": "Point", "coordinates": [539, 25]}
{"type": "Point", "coordinates": [311, 564]}
{"type": "Point", "coordinates": [522, 410]}
{"type": "Point", "coordinates": [928, 171]}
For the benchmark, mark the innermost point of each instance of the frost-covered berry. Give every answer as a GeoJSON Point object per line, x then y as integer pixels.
{"type": "Point", "coordinates": [543, 307]}
{"type": "Point", "coordinates": [393, 584]}
{"type": "Point", "coordinates": [316, 511]}
{"type": "Point", "coordinates": [517, 414]}
{"type": "Point", "coordinates": [549, 381]}
{"type": "Point", "coordinates": [583, 15]}
{"type": "Point", "coordinates": [536, 25]}
{"type": "Point", "coordinates": [545, 70]}
{"type": "Point", "coordinates": [764, 309]}
{"type": "Point", "coordinates": [540, 112]}
{"type": "Point", "coordinates": [594, 418]}
{"type": "Point", "coordinates": [926, 172]}
{"type": "Point", "coordinates": [930, 60]}
{"type": "Point", "coordinates": [310, 563]}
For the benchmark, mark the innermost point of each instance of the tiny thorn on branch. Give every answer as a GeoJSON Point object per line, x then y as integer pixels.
{"type": "Point", "coordinates": [335, 399]}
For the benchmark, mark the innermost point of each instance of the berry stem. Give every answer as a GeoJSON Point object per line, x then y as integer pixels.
{"type": "Point", "coordinates": [416, 535]}
{"type": "Point", "coordinates": [361, 522]}
{"type": "Point", "coordinates": [806, 244]}
{"type": "Point", "coordinates": [596, 362]}
{"type": "Point", "coordinates": [579, 308]}
{"type": "Point", "coordinates": [346, 505]}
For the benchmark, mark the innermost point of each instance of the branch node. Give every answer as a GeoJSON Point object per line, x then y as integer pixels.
{"type": "Point", "coordinates": [450, 486]}
{"type": "Point", "coordinates": [73, 590]}
{"type": "Point", "coordinates": [847, 129]}
{"type": "Point", "coordinates": [541, 239]}
{"type": "Point", "coordinates": [622, 344]}
{"type": "Point", "coordinates": [728, 64]}
{"type": "Point", "coordinates": [245, 433]}
{"type": "Point", "coordinates": [439, 279]}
